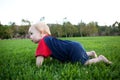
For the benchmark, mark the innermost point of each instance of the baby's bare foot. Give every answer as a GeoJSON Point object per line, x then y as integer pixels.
{"type": "Point", "coordinates": [103, 58]}
{"type": "Point", "coordinates": [94, 54]}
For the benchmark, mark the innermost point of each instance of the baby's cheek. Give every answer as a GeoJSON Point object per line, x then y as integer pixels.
{"type": "Point", "coordinates": [39, 38]}
{"type": "Point", "coordinates": [31, 37]}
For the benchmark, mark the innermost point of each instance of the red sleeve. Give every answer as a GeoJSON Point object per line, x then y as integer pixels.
{"type": "Point", "coordinates": [42, 49]}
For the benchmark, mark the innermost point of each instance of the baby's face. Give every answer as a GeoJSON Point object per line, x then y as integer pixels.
{"type": "Point", "coordinates": [35, 35]}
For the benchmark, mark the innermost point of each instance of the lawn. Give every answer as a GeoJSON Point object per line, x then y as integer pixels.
{"type": "Point", "coordinates": [17, 61]}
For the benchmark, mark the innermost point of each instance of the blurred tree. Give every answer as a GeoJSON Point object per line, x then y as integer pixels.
{"type": "Point", "coordinates": [26, 22]}
{"type": "Point", "coordinates": [116, 27]}
{"type": "Point", "coordinates": [56, 30]}
{"type": "Point", "coordinates": [69, 29]}
{"type": "Point", "coordinates": [6, 32]}
{"type": "Point", "coordinates": [91, 29]}
{"type": "Point", "coordinates": [81, 27]}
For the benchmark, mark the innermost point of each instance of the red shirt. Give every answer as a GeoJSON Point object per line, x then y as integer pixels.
{"type": "Point", "coordinates": [42, 49]}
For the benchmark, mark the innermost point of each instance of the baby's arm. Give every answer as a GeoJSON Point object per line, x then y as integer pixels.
{"type": "Point", "coordinates": [39, 61]}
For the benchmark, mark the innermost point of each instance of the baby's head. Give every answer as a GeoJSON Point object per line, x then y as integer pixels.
{"type": "Point", "coordinates": [38, 31]}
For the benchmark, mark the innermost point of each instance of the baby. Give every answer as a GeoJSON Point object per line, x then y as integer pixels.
{"type": "Point", "coordinates": [62, 50]}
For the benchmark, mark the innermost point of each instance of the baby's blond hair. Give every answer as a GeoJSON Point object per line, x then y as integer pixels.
{"type": "Point", "coordinates": [42, 27]}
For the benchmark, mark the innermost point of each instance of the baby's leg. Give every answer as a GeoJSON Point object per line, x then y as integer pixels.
{"type": "Point", "coordinates": [98, 59]}
{"type": "Point", "coordinates": [92, 53]}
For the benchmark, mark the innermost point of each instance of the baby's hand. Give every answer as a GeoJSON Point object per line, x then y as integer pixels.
{"type": "Point", "coordinates": [39, 61]}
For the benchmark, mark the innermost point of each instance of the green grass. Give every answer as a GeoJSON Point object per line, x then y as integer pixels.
{"type": "Point", "coordinates": [17, 61]}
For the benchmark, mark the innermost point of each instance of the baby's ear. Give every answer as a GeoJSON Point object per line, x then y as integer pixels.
{"type": "Point", "coordinates": [40, 31]}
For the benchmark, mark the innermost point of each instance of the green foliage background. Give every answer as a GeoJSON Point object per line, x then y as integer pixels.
{"type": "Point", "coordinates": [17, 61]}
{"type": "Point", "coordinates": [66, 29]}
